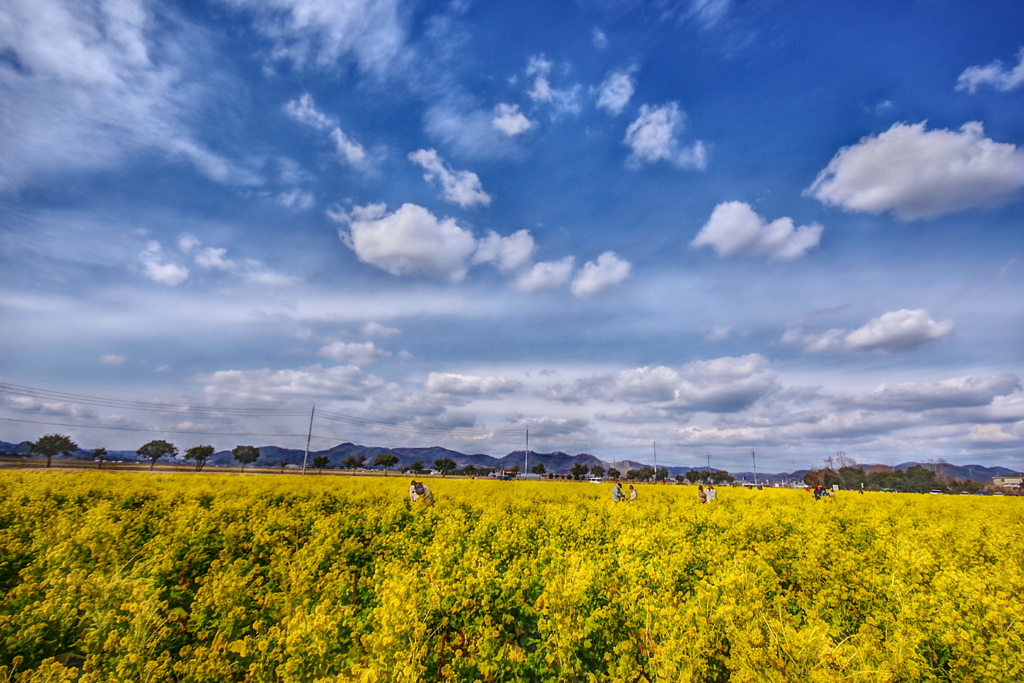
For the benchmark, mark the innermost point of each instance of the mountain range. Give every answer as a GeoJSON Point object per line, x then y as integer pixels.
{"type": "Point", "coordinates": [556, 462]}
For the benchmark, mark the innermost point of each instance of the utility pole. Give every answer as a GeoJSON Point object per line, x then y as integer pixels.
{"type": "Point", "coordinates": [754, 458]}
{"type": "Point", "coordinates": [309, 435]}
{"type": "Point", "coordinates": [527, 468]}
{"type": "Point", "coordinates": [709, 465]}
{"type": "Point", "coordinates": [653, 444]}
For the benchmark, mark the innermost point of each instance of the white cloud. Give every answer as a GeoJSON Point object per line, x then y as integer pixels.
{"type": "Point", "coordinates": [994, 74]}
{"type": "Point", "coordinates": [211, 257]}
{"type": "Point", "coordinates": [410, 240]}
{"type": "Point", "coordinates": [341, 383]}
{"type": "Point", "coordinates": [719, 333]}
{"type": "Point", "coordinates": [961, 392]}
{"type": "Point", "coordinates": [187, 243]}
{"type": "Point", "coordinates": [254, 271]}
{"type": "Point", "coordinates": [349, 150]}
{"type": "Point", "coordinates": [458, 187]}
{"type": "Point", "coordinates": [595, 277]}
{"type": "Point", "coordinates": [599, 39]}
{"type": "Point", "coordinates": [653, 137]}
{"type": "Point", "coordinates": [921, 174]}
{"type": "Point", "coordinates": [297, 199]}
{"type": "Point", "coordinates": [372, 329]}
{"type": "Point", "coordinates": [509, 254]}
{"type": "Point", "coordinates": [97, 83]}
{"type": "Point", "coordinates": [460, 123]}
{"type": "Point", "coordinates": [469, 385]}
{"type": "Point", "coordinates": [510, 121]}
{"type": "Point", "coordinates": [546, 275]}
{"type": "Point", "coordinates": [563, 101]}
{"type": "Point", "coordinates": [902, 330]}
{"type": "Point", "coordinates": [371, 32]}
{"type": "Point", "coordinates": [734, 228]}
{"type": "Point", "coordinates": [616, 91]}
{"type": "Point", "coordinates": [156, 269]}
{"type": "Point", "coordinates": [112, 359]}
{"type": "Point", "coordinates": [304, 111]}
{"type": "Point", "coordinates": [892, 332]}
{"type": "Point", "coordinates": [709, 12]}
{"type": "Point", "coordinates": [354, 353]}
{"type": "Point", "coordinates": [722, 385]}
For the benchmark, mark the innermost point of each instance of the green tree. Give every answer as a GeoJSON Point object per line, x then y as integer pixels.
{"type": "Point", "coordinates": [852, 477]}
{"type": "Point", "coordinates": [385, 460]}
{"type": "Point", "coordinates": [245, 454]}
{"type": "Point", "coordinates": [282, 465]}
{"type": "Point", "coordinates": [693, 476]}
{"type": "Point", "coordinates": [722, 477]}
{"type": "Point", "coordinates": [469, 470]}
{"type": "Point", "coordinates": [632, 474]}
{"type": "Point", "coordinates": [52, 444]}
{"type": "Point", "coordinates": [320, 462]}
{"type": "Point", "coordinates": [539, 469]}
{"type": "Point", "coordinates": [416, 467]}
{"type": "Point", "coordinates": [445, 465]}
{"type": "Point", "coordinates": [156, 449]}
{"type": "Point", "coordinates": [353, 462]}
{"type": "Point", "coordinates": [579, 470]}
{"type": "Point", "coordinates": [514, 470]}
{"type": "Point", "coordinates": [98, 454]}
{"type": "Point", "coordinates": [200, 454]}
{"type": "Point", "coordinates": [662, 474]}
{"type": "Point", "coordinates": [597, 471]}
{"type": "Point", "coordinates": [614, 473]}
{"type": "Point", "coordinates": [646, 472]}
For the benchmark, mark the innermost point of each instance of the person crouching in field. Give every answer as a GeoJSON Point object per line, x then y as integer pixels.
{"type": "Point", "coordinates": [702, 496]}
{"type": "Point", "coordinates": [617, 494]}
{"type": "Point", "coordinates": [632, 493]}
{"type": "Point", "coordinates": [712, 493]}
{"type": "Point", "coordinates": [420, 491]}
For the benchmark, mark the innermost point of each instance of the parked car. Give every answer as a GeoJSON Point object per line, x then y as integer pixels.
{"type": "Point", "coordinates": [935, 492]}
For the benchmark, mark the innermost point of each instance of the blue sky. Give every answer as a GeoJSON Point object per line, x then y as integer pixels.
{"type": "Point", "coordinates": [723, 226]}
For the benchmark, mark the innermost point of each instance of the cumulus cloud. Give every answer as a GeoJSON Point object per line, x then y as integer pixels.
{"type": "Point", "coordinates": [96, 83]}
{"type": "Point", "coordinates": [892, 332]}
{"type": "Point", "coordinates": [599, 39]}
{"type": "Point", "coordinates": [995, 75]}
{"type": "Point", "coordinates": [354, 353]}
{"type": "Point", "coordinates": [469, 385]}
{"type": "Point", "coordinates": [341, 383]}
{"type": "Point", "coordinates": [158, 270]}
{"type": "Point", "coordinates": [348, 149]}
{"type": "Point", "coordinates": [409, 241]}
{"type": "Point", "coordinates": [735, 228]}
{"type": "Point", "coordinates": [510, 121]}
{"type": "Point", "coordinates": [921, 174]}
{"type": "Point", "coordinates": [596, 277]}
{"type": "Point", "coordinates": [563, 101]}
{"type": "Point", "coordinates": [373, 329]}
{"type": "Point", "coordinates": [616, 90]}
{"type": "Point", "coordinates": [722, 385]}
{"type": "Point", "coordinates": [112, 359]}
{"type": "Point", "coordinates": [545, 275]}
{"type": "Point", "coordinates": [458, 187]}
{"type": "Point", "coordinates": [304, 111]}
{"type": "Point", "coordinates": [961, 392]}
{"type": "Point", "coordinates": [509, 254]}
{"type": "Point", "coordinates": [370, 32]}
{"type": "Point", "coordinates": [553, 425]}
{"type": "Point", "coordinates": [654, 137]}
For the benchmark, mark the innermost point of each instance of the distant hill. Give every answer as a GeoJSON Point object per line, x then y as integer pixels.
{"type": "Point", "coordinates": [556, 462]}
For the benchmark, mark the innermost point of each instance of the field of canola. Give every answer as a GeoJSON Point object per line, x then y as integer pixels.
{"type": "Point", "coordinates": [281, 578]}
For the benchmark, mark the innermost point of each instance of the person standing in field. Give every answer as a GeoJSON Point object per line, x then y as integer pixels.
{"type": "Point", "coordinates": [617, 494]}
{"type": "Point", "coordinates": [702, 496]}
{"type": "Point", "coordinates": [712, 493]}
{"type": "Point", "coordinates": [632, 493]}
{"type": "Point", "coordinates": [420, 491]}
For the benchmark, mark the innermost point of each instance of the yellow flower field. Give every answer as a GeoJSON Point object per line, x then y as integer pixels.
{"type": "Point", "coordinates": [281, 578]}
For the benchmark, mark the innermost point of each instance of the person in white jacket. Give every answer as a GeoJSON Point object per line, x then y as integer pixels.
{"type": "Point", "coordinates": [420, 491]}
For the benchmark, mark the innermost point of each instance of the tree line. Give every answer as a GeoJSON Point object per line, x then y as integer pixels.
{"type": "Point", "coordinates": [916, 479]}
